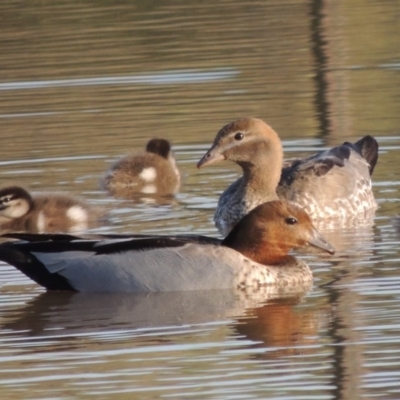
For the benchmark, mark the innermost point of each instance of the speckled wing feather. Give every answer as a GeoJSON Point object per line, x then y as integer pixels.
{"type": "Point", "coordinates": [333, 183]}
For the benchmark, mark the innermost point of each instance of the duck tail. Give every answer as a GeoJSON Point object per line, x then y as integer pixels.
{"type": "Point", "coordinates": [15, 254]}
{"type": "Point", "coordinates": [369, 150]}
{"type": "Point", "coordinates": [368, 147]}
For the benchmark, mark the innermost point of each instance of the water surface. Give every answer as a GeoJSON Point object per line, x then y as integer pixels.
{"type": "Point", "coordinates": [83, 83]}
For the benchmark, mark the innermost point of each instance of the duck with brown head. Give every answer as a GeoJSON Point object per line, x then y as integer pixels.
{"type": "Point", "coordinates": [254, 254]}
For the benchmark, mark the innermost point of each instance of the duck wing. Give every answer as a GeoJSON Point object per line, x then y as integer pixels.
{"type": "Point", "coordinates": [66, 262]}
{"type": "Point", "coordinates": [335, 182]}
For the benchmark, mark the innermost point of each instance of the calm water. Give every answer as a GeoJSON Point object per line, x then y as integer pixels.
{"type": "Point", "coordinates": [82, 83]}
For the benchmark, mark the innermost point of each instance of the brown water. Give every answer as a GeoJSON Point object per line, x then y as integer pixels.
{"type": "Point", "coordinates": [82, 83]}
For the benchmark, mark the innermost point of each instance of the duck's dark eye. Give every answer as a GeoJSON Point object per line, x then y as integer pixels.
{"type": "Point", "coordinates": [5, 199]}
{"type": "Point", "coordinates": [291, 220]}
{"type": "Point", "coordinates": [239, 136]}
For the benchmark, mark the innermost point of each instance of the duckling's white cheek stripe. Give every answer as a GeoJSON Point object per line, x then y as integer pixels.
{"type": "Point", "coordinates": [17, 209]}
{"type": "Point", "coordinates": [148, 174]}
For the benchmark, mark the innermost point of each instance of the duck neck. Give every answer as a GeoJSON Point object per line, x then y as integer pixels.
{"type": "Point", "coordinates": [266, 255]}
{"type": "Point", "coordinates": [254, 246]}
{"type": "Point", "coordinates": [262, 177]}
{"type": "Point", "coordinates": [262, 170]}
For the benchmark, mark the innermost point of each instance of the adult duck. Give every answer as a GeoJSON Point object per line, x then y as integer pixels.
{"type": "Point", "coordinates": [153, 172]}
{"type": "Point", "coordinates": [21, 211]}
{"type": "Point", "coordinates": [255, 253]}
{"type": "Point", "coordinates": [331, 184]}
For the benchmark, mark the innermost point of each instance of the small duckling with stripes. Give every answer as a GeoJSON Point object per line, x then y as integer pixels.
{"type": "Point", "coordinates": [21, 211]}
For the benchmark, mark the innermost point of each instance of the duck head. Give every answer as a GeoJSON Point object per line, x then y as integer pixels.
{"type": "Point", "coordinates": [271, 230]}
{"type": "Point", "coordinates": [15, 202]}
{"type": "Point", "coordinates": [246, 141]}
{"type": "Point", "coordinates": [160, 147]}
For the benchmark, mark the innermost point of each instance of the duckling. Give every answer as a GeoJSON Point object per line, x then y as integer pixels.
{"type": "Point", "coordinates": [152, 172]}
{"type": "Point", "coordinates": [44, 212]}
{"type": "Point", "coordinates": [255, 253]}
{"type": "Point", "coordinates": [332, 184]}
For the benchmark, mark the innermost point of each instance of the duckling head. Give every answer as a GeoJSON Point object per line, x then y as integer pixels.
{"type": "Point", "coordinates": [271, 230]}
{"type": "Point", "coordinates": [247, 142]}
{"type": "Point", "coordinates": [15, 202]}
{"type": "Point", "coordinates": [160, 147]}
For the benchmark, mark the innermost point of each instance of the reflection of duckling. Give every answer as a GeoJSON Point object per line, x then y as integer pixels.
{"type": "Point", "coordinates": [254, 254]}
{"type": "Point", "coordinates": [151, 172]}
{"type": "Point", "coordinates": [45, 212]}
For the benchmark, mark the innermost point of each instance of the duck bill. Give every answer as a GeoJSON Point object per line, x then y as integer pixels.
{"type": "Point", "coordinates": [212, 156]}
{"type": "Point", "coordinates": [319, 241]}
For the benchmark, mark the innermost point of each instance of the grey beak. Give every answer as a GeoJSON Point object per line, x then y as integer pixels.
{"type": "Point", "coordinates": [210, 157]}
{"type": "Point", "coordinates": [319, 241]}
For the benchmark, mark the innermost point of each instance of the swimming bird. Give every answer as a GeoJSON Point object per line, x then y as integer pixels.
{"type": "Point", "coordinates": [153, 171]}
{"type": "Point", "coordinates": [255, 253]}
{"type": "Point", "coordinates": [332, 184]}
{"type": "Point", "coordinates": [45, 212]}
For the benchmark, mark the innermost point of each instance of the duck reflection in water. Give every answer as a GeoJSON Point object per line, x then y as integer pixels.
{"type": "Point", "coordinates": [268, 317]}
